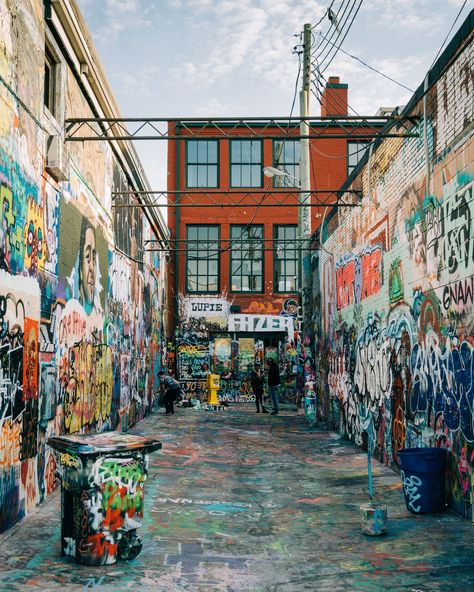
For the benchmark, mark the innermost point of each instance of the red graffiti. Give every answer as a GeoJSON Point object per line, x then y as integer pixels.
{"type": "Point", "coordinates": [359, 278]}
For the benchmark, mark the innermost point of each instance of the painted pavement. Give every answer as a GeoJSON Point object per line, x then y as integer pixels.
{"type": "Point", "coordinates": [239, 501]}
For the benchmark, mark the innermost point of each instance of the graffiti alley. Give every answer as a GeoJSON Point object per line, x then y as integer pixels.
{"type": "Point", "coordinates": [240, 501]}
{"type": "Point", "coordinates": [238, 355]}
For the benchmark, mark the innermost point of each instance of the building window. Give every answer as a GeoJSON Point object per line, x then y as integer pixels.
{"type": "Point", "coordinates": [202, 258]}
{"type": "Point", "coordinates": [355, 152]}
{"type": "Point", "coordinates": [246, 258]}
{"type": "Point", "coordinates": [202, 163]}
{"type": "Point", "coordinates": [286, 157]}
{"type": "Point", "coordinates": [285, 259]}
{"type": "Point", "coordinates": [51, 71]}
{"type": "Point", "coordinates": [246, 163]}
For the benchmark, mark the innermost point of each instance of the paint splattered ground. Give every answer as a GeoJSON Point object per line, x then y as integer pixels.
{"type": "Point", "coordinates": [240, 501]}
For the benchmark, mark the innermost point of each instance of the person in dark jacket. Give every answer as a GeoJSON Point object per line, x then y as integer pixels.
{"type": "Point", "coordinates": [256, 380]}
{"type": "Point", "coordinates": [172, 390]}
{"type": "Point", "coordinates": [273, 384]}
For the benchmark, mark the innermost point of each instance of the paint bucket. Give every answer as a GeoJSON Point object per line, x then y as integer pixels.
{"type": "Point", "coordinates": [374, 519]}
{"type": "Point", "coordinates": [422, 473]}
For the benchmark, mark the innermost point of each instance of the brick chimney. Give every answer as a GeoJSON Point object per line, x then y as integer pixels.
{"type": "Point", "coordinates": [334, 98]}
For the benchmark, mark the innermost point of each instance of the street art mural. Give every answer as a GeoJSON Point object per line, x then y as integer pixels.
{"type": "Point", "coordinates": [394, 310]}
{"type": "Point", "coordinates": [211, 338]}
{"type": "Point", "coordinates": [80, 327]}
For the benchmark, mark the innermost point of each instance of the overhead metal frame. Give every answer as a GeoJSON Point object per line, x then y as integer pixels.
{"type": "Point", "coordinates": [261, 198]}
{"type": "Point", "coordinates": [276, 128]}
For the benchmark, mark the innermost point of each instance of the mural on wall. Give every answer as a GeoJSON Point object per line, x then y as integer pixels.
{"type": "Point", "coordinates": [80, 324]}
{"type": "Point", "coordinates": [19, 320]}
{"type": "Point", "coordinates": [396, 353]}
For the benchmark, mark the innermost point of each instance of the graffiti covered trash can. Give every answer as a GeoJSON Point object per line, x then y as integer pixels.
{"type": "Point", "coordinates": [423, 479]}
{"type": "Point", "coordinates": [102, 482]}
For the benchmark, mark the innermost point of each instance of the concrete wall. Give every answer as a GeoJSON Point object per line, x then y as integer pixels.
{"type": "Point", "coordinates": [80, 312]}
{"type": "Point", "coordinates": [394, 285]}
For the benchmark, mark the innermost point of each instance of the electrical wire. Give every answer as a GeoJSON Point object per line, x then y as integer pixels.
{"type": "Point", "coordinates": [449, 33]}
{"type": "Point", "coordinates": [371, 67]}
{"type": "Point", "coordinates": [339, 18]}
{"type": "Point", "coordinates": [327, 56]}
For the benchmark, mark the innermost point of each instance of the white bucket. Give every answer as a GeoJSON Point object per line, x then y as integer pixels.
{"type": "Point", "coordinates": [374, 519]}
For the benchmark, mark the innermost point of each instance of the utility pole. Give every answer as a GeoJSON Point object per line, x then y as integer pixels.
{"type": "Point", "coordinates": [304, 231]}
{"type": "Point", "coordinates": [304, 212]}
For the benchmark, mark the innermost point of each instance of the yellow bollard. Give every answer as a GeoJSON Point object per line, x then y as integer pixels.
{"type": "Point", "coordinates": [213, 385]}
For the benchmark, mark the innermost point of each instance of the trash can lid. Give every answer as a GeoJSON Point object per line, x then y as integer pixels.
{"type": "Point", "coordinates": [102, 443]}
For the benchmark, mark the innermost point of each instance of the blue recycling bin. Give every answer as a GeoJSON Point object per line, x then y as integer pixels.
{"type": "Point", "coordinates": [423, 479]}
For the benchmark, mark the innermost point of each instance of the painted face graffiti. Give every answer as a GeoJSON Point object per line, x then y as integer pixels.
{"type": "Point", "coordinates": [87, 268]}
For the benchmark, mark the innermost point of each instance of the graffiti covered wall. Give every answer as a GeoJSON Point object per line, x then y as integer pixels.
{"type": "Point", "coordinates": [394, 295]}
{"type": "Point", "coordinates": [81, 307]}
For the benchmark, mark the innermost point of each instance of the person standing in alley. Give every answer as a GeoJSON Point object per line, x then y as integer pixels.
{"type": "Point", "coordinates": [273, 384]}
{"type": "Point", "coordinates": [256, 380]}
{"type": "Point", "coordinates": [171, 389]}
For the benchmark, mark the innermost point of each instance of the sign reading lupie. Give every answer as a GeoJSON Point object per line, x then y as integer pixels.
{"type": "Point", "coordinates": [206, 307]}
{"type": "Point", "coordinates": [255, 323]}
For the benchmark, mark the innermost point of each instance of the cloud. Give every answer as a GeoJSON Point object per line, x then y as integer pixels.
{"type": "Point", "coordinates": [251, 37]}
{"type": "Point", "coordinates": [116, 16]}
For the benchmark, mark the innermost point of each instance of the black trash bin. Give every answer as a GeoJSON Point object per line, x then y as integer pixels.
{"type": "Point", "coordinates": [102, 494]}
{"type": "Point", "coordinates": [423, 479]}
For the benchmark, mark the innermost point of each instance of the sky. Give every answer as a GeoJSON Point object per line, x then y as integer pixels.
{"type": "Point", "coordinates": [226, 58]}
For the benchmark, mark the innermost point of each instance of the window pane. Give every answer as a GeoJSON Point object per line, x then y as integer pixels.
{"type": "Point", "coordinates": [192, 151]}
{"type": "Point", "coordinates": [212, 176]}
{"type": "Point", "coordinates": [202, 176]}
{"type": "Point", "coordinates": [235, 151]}
{"type": "Point", "coordinates": [235, 176]}
{"type": "Point", "coordinates": [192, 175]}
{"type": "Point", "coordinates": [245, 176]}
{"type": "Point", "coordinates": [256, 151]}
{"type": "Point", "coordinates": [256, 178]}
{"type": "Point", "coordinates": [212, 152]}
{"type": "Point", "coordinates": [202, 151]}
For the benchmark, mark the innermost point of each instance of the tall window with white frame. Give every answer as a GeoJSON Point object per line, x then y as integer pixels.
{"type": "Point", "coordinates": [286, 157]}
{"type": "Point", "coordinates": [355, 153]}
{"type": "Point", "coordinates": [202, 259]}
{"type": "Point", "coordinates": [246, 258]}
{"type": "Point", "coordinates": [245, 163]}
{"type": "Point", "coordinates": [202, 163]}
{"type": "Point", "coordinates": [285, 258]}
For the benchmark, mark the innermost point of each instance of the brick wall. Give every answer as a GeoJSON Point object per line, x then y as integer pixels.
{"type": "Point", "coordinates": [394, 288]}
{"type": "Point", "coordinates": [80, 313]}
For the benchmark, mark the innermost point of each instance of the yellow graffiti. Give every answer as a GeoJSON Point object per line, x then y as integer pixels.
{"type": "Point", "coordinates": [34, 237]}
{"type": "Point", "coordinates": [68, 460]}
{"type": "Point", "coordinates": [9, 443]}
{"type": "Point", "coordinates": [192, 350]}
{"type": "Point", "coordinates": [86, 383]}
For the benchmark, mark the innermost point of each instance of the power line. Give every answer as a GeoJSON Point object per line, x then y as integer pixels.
{"type": "Point", "coordinates": [325, 54]}
{"type": "Point", "coordinates": [449, 33]}
{"type": "Point", "coordinates": [371, 67]}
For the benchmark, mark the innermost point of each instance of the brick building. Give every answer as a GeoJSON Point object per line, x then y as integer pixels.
{"type": "Point", "coordinates": [233, 282]}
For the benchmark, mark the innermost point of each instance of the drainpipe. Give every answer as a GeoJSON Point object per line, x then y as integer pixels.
{"type": "Point", "coordinates": [425, 134]}
{"type": "Point", "coordinates": [177, 233]}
